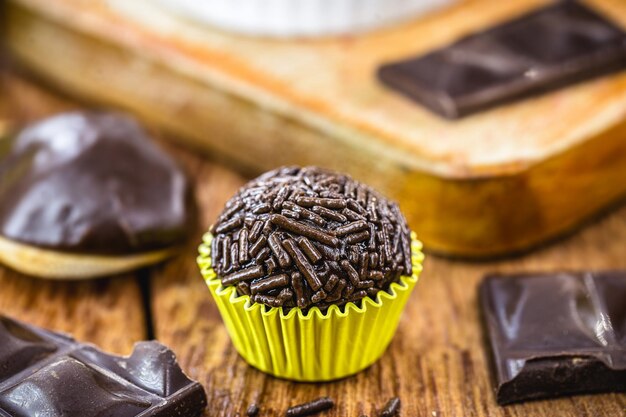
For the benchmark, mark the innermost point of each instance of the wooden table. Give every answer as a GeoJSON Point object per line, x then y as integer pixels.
{"type": "Point", "coordinates": [436, 363]}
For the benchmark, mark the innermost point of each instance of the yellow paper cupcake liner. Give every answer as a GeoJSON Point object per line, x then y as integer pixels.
{"type": "Point", "coordinates": [315, 346]}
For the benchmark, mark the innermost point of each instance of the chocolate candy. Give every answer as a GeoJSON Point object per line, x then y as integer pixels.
{"type": "Point", "coordinates": [309, 237]}
{"type": "Point", "coordinates": [43, 373]}
{"type": "Point", "coordinates": [253, 410]}
{"type": "Point", "coordinates": [310, 408]}
{"type": "Point", "coordinates": [544, 50]}
{"type": "Point", "coordinates": [391, 408]}
{"type": "Point", "coordinates": [556, 334]}
{"type": "Point", "coordinates": [92, 183]}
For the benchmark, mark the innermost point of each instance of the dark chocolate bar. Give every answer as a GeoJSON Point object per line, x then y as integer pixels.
{"type": "Point", "coordinates": [556, 334]}
{"type": "Point", "coordinates": [546, 49]}
{"type": "Point", "coordinates": [43, 373]}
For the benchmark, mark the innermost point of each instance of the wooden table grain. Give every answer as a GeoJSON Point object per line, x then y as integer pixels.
{"type": "Point", "coordinates": [436, 363]}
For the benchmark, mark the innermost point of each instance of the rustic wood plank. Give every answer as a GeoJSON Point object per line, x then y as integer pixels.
{"type": "Point", "coordinates": [436, 363]}
{"type": "Point", "coordinates": [107, 312]}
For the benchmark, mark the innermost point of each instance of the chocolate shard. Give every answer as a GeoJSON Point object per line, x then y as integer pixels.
{"type": "Point", "coordinates": [555, 334]}
{"type": "Point", "coordinates": [62, 377]}
{"type": "Point", "coordinates": [546, 49]}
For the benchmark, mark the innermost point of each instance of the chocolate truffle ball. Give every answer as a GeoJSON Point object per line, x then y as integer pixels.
{"type": "Point", "coordinates": [310, 237]}
{"type": "Point", "coordinates": [92, 183]}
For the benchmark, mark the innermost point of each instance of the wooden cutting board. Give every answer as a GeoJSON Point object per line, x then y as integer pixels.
{"type": "Point", "coordinates": [497, 182]}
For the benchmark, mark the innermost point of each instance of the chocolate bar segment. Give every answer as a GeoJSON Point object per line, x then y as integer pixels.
{"type": "Point", "coordinates": [19, 348]}
{"type": "Point", "coordinates": [556, 334]}
{"type": "Point", "coordinates": [546, 49]}
{"type": "Point", "coordinates": [43, 373]}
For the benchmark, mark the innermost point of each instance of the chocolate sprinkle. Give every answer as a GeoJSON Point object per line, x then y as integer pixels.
{"type": "Point", "coordinates": [310, 251]}
{"type": "Point", "coordinates": [265, 284]}
{"type": "Point", "coordinates": [310, 408]}
{"type": "Point", "coordinates": [392, 408]}
{"type": "Point", "coordinates": [303, 265]}
{"type": "Point", "coordinates": [309, 237]}
{"type": "Point", "coordinates": [253, 410]}
{"type": "Point", "coordinates": [331, 283]}
{"type": "Point", "coordinates": [242, 275]}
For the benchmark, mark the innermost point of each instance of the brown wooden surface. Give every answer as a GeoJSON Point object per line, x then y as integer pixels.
{"type": "Point", "coordinates": [525, 172]}
{"type": "Point", "coordinates": [436, 362]}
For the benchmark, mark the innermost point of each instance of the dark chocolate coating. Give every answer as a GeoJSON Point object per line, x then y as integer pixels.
{"type": "Point", "coordinates": [310, 237]}
{"type": "Point", "coordinates": [92, 183]}
{"type": "Point", "coordinates": [43, 373]}
{"type": "Point", "coordinates": [556, 334]}
{"type": "Point", "coordinates": [546, 49]}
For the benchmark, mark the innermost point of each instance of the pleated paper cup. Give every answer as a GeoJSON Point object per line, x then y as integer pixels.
{"type": "Point", "coordinates": [316, 346]}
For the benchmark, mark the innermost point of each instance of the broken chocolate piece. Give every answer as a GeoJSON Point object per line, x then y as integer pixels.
{"type": "Point", "coordinates": [556, 334]}
{"type": "Point", "coordinates": [43, 373]}
{"type": "Point", "coordinates": [546, 49]}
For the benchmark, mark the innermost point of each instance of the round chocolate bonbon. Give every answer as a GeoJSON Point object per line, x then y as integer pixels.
{"type": "Point", "coordinates": [310, 237]}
